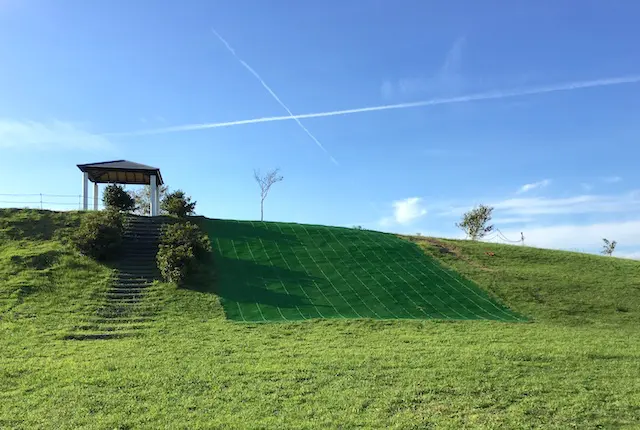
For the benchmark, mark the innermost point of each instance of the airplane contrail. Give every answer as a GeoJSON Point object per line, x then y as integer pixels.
{"type": "Point", "coordinates": [493, 95]}
{"type": "Point", "coordinates": [273, 94]}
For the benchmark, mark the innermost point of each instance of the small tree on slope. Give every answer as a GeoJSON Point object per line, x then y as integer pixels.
{"type": "Point", "coordinates": [116, 198]}
{"type": "Point", "coordinates": [178, 203]}
{"type": "Point", "coordinates": [475, 223]}
{"type": "Point", "coordinates": [142, 198]}
{"type": "Point", "coordinates": [608, 247]}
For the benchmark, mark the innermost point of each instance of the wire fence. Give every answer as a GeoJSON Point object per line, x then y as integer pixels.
{"type": "Point", "coordinates": [58, 202]}
{"type": "Point", "coordinates": [497, 236]}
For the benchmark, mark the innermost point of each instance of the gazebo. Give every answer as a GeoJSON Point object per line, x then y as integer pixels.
{"type": "Point", "coordinates": [120, 172]}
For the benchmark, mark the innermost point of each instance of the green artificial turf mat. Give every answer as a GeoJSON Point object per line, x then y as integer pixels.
{"type": "Point", "coordinates": [286, 272]}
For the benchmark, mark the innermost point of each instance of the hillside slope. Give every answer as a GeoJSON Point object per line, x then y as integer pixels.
{"type": "Point", "coordinates": [189, 367]}
{"type": "Point", "coordinates": [285, 272]}
{"type": "Point", "coordinates": [41, 274]}
{"type": "Point", "coordinates": [547, 285]}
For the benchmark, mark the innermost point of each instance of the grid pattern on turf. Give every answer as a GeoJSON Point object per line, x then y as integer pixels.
{"type": "Point", "coordinates": [288, 272]}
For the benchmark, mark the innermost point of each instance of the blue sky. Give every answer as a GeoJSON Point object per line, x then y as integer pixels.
{"type": "Point", "coordinates": [531, 107]}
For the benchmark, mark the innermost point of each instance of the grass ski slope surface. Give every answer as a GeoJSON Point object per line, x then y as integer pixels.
{"type": "Point", "coordinates": [286, 272]}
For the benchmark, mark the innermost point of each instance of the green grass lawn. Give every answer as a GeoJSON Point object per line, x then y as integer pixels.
{"type": "Point", "coordinates": [288, 272]}
{"type": "Point", "coordinates": [575, 365]}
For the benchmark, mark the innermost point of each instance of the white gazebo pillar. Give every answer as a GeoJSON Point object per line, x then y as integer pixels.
{"type": "Point", "coordinates": [153, 198]}
{"type": "Point", "coordinates": [157, 201]}
{"type": "Point", "coordinates": [85, 191]}
{"type": "Point", "coordinates": [95, 196]}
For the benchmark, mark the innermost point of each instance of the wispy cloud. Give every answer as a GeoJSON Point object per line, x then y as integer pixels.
{"type": "Point", "coordinates": [446, 80]}
{"type": "Point", "coordinates": [405, 211]}
{"type": "Point", "coordinates": [528, 187]}
{"type": "Point", "coordinates": [612, 179]}
{"type": "Point", "coordinates": [499, 94]}
{"type": "Point", "coordinates": [570, 205]}
{"type": "Point", "coordinates": [53, 135]}
{"type": "Point", "coordinates": [273, 94]}
{"type": "Point", "coordinates": [535, 206]}
{"type": "Point", "coordinates": [583, 237]}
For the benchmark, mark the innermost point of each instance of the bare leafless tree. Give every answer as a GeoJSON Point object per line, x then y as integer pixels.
{"type": "Point", "coordinates": [265, 183]}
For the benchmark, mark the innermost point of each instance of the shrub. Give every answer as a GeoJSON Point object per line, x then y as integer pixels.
{"type": "Point", "coordinates": [475, 223]}
{"type": "Point", "coordinates": [178, 203]}
{"type": "Point", "coordinates": [608, 247]}
{"type": "Point", "coordinates": [117, 199]}
{"type": "Point", "coordinates": [100, 234]}
{"type": "Point", "coordinates": [182, 246]}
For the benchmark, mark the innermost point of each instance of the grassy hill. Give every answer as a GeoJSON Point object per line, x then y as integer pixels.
{"type": "Point", "coordinates": [574, 365]}
{"type": "Point", "coordinates": [547, 285]}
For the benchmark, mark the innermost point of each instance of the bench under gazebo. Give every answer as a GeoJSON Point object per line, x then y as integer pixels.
{"type": "Point", "coordinates": [120, 172]}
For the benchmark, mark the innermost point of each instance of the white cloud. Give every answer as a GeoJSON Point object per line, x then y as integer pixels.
{"type": "Point", "coordinates": [631, 255]}
{"type": "Point", "coordinates": [570, 205]}
{"type": "Point", "coordinates": [586, 187]}
{"type": "Point", "coordinates": [50, 135]}
{"type": "Point", "coordinates": [612, 179]}
{"type": "Point", "coordinates": [405, 211]}
{"type": "Point", "coordinates": [533, 186]}
{"type": "Point", "coordinates": [589, 237]}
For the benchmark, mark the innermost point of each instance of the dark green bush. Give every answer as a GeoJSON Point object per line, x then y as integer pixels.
{"type": "Point", "coordinates": [178, 203]}
{"type": "Point", "coordinates": [116, 198]}
{"type": "Point", "coordinates": [100, 234]}
{"type": "Point", "coordinates": [182, 247]}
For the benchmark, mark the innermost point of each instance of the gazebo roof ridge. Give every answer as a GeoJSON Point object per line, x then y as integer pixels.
{"type": "Point", "coordinates": [121, 171]}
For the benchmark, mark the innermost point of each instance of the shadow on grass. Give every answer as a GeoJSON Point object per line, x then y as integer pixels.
{"type": "Point", "coordinates": [244, 281]}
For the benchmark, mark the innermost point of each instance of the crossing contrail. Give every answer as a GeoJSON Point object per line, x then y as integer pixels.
{"type": "Point", "coordinates": [273, 94]}
{"type": "Point", "coordinates": [493, 95]}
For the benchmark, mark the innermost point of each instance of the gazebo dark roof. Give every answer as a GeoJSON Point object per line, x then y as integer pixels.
{"type": "Point", "coordinates": [121, 172]}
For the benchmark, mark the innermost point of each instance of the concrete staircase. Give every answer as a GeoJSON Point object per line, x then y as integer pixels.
{"type": "Point", "coordinates": [132, 300]}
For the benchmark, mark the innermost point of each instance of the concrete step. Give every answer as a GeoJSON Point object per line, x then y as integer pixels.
{"type": "Point", "coordinates": [141, 224]}
{"type": "Point", "coordinates": [138, 256]}
{"type": "Point", "coordinates": [125, 295]}
{"type": "Point", "coordinates": [141, 251]}
{"type": "Point", "coordinates": [139, 239]}
{"type": "Point", "coordinates": [145, 253]}
{"type": "Point", "coordinates": [129, 229]}
{"type": "Point", "coordinates": [131, 283]}
{"type": "Point", "coordinates": [98, 336]}
{"type": "Point", "coordinates": [124, 266]}
{"type": "Point", "coordinates": [129, 320]}
{"type": "Point", "coordinates": [142, 232]}
{"type": "Point", "coordinates": [151, 254]}
{"type": "Point", "coordinates": [138, 272]}
{"type": "Point", "coordinates": [138, 262]}
{"type": "Point", "coordinates": [127, 278]}
{"type": "Point", "coordinates": [110, 326]}
{"type": "Point", "coordinates": [130, 286]}
{"type": "Point", "coordinates": [122, 300]}
{"type": "Point", "coordinates": [145, 219]}
{"type": "Point", "coordinates": [138, 295]}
